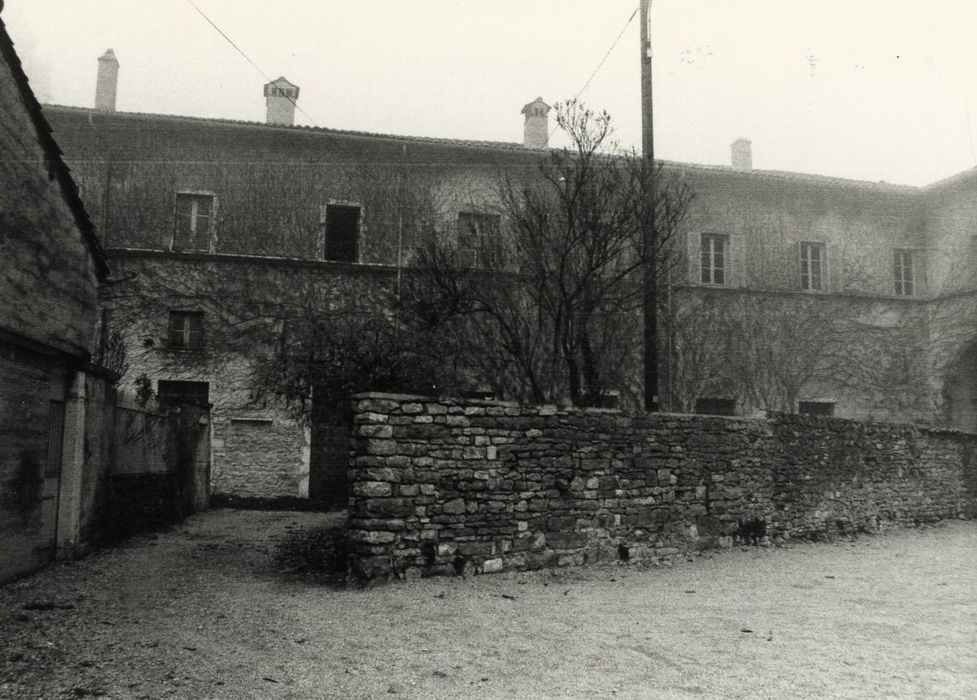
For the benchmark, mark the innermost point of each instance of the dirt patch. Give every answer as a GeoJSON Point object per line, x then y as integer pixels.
{"type": "Point", "coordinates": [200, 612]}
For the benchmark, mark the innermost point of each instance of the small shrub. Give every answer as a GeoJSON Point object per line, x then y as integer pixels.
{"type": "Point", "coordinates": [320, 552]}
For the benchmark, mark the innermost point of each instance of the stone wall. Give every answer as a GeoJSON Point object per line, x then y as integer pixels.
{"type": "Point", "coordinates": [260, 449]}
{"type": "Point", "coordinates": [47, 277]}
{"type": "Point", "coordinates": [32, 393]}
{"type": "Point", "coordinates": [442, 485]}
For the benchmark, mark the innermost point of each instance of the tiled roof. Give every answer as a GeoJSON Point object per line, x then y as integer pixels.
{"type": "Point", "coordinates": [174, 118]}
{"type": "Point", "coordinates": [57, 170]}
{"type": "Point", "coordinates": [799, 177]}
{"type": "Point", "coordinates": [952, 180]}
{"type": "Point", "coordinates": [497, 146]}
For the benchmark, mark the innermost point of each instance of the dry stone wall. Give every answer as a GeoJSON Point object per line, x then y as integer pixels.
{"type": "Point", "coordinates": [442, 486]}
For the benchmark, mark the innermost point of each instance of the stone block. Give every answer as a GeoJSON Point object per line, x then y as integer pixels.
{"type": "Point", "coordinates": [372, 489]}
{"type": "Point", "coordinates": [382, 474]}
{"type": "Point", "coordinates": [454, 507]}
{"type": "Point", "coordinates": [375, 430]}
{"type": "Point", "coordinates": [373, 536]}
{"type": "Point", "coordinates": [390, 507]}
{"type": "Point", "coordinates": [492, 566]}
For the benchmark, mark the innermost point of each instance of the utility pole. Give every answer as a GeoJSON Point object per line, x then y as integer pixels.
{"type": "Point", "coordinates": [649, 234]}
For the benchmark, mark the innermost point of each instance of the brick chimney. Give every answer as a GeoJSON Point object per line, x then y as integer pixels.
{"type": "Point", "coordinates": [536, 133]}
{"type": "Point", "coordinates": [280, 99]}
{"type": "Point", "coordinates": [108, 82]}
{"type": "Point", "coordinates": [742, 154]}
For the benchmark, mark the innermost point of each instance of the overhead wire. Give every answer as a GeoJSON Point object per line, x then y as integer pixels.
{"type": "Point", "coordinates": [241, 51]}
{"type": "Point", "coordinates": [602, 61]}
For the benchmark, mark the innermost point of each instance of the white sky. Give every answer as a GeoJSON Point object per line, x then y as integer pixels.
{"type": "Point", "coordinates": [868, 89]}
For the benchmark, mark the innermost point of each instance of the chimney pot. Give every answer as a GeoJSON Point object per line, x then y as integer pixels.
{"type": "Point", "coordinates": [280, 99]}
{"type": "Point", "coordinates": [108, 81]}
{"type": "Point", "coordinates": [536, 132]}
{"type": "Point", "coordinates": [742, 154]}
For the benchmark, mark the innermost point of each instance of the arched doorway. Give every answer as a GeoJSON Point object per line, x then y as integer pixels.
{"type": "Point", "coordinates": [960, 390]}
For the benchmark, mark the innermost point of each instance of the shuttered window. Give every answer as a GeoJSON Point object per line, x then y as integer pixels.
{"type": "Point", "coordinates": [473, 229]}
{"type": "Point", "coordinates": [714, 256]}
{"type": "Point", "coordinates": [194, 221]}
{"type": "Point", "coordinates": [812, 259]}
{"type": "Point", "coordinates": [904, 271]}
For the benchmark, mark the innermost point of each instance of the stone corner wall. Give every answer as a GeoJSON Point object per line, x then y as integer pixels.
{"type": "Point", "coordinates": [441, 486]}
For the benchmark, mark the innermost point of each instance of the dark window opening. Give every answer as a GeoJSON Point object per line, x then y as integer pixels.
{"type": "Point", "coordinates": [186, 330]}
{"type": "Point", "coordinates": [194, 221]}
{"type": "Point", "coordinates": [172, 391]}
{"type": "Point", "coordinates": [342, 233]}
{"type": "Point", "coordinates": [716, 407]}
{"type": "Point", "coordinates": [816, 408]}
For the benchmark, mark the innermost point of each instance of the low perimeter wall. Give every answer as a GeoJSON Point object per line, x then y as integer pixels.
{"type": "Point", "coordinates": [443, 485]}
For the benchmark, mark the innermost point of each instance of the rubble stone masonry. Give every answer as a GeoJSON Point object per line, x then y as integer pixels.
{"type": "Point", "coordinates": [442, 485]}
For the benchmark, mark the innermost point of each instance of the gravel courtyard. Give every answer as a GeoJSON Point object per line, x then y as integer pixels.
{"type": "Point", "coordinates": [199, 613]}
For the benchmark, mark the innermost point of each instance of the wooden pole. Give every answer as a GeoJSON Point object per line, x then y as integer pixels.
{"type": "Point", "coordinates": [650, 235]}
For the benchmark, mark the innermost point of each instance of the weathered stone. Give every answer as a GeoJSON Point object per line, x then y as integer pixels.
{"type": "Point", "coordinates": [455, 507]}
{"type": "Point", "coordinates": [375, 537]}
{"type": "Point", "coordinates": [374, 430]}
{"type": "Point", "coordinates": [492, 566]}
{"type": "Point", "coordinates": [372, 489]}
{"type": "Point", "coordinates": [598, 479]}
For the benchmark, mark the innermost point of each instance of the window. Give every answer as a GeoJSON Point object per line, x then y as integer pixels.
{"type": "Point", "coordinates": [812, 266]}
{"type": "Point", "coordinates": [194, 221]}
{"type": "Point", "coordinates": [716, 407]}
{"type": "Point", "coordinates": [904, 273]}
{"type": "Point", "coordinates": [342, 233]}
{"type": "Point", "coordinates": [473, 228]}
{"type": "Point", "coordinates": [816, 408]}
{"type": "Point", "coordinates": [186, 330]}
{"type": "Point", "coordinates": [171, 391]}
{"type": "Point", "coordinates": [714, 254]}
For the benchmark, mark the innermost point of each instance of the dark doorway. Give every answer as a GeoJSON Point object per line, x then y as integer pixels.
{"type": "Point", "coordinates": [329, 456]}
{"type": "Point", "coordinates": [960, 390]}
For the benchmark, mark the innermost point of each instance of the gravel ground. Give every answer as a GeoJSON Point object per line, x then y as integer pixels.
{"type": "Point", "coordinates": [199, 613]}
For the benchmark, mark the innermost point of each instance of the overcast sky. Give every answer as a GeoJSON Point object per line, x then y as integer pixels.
{"type": "Point", "coordinates": [868, 89]}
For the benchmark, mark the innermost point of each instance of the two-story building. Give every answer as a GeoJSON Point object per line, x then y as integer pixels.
{"type": "Point", "coordinates": [796, 292]}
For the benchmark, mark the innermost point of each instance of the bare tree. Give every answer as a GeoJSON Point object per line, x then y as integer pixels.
{"type": "Point", "coordinates": [556, 285]}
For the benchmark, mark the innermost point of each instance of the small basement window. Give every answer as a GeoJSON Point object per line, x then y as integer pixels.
{"type": "Point", "coordinates": [816, 408]}
{"type": "Point", "coordinates": [716, 407]}
{"type": "Point", "coordinates": [342, 233]}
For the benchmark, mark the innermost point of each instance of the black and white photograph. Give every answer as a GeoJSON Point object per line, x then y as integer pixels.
{"type": "Point", "coordinates": [453, 349]}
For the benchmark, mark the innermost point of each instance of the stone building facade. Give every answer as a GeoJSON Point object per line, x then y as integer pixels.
{"type": "Point", "coordinates": [796, 292]}
{"type": "Point", "coordinates": [50, 266]}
